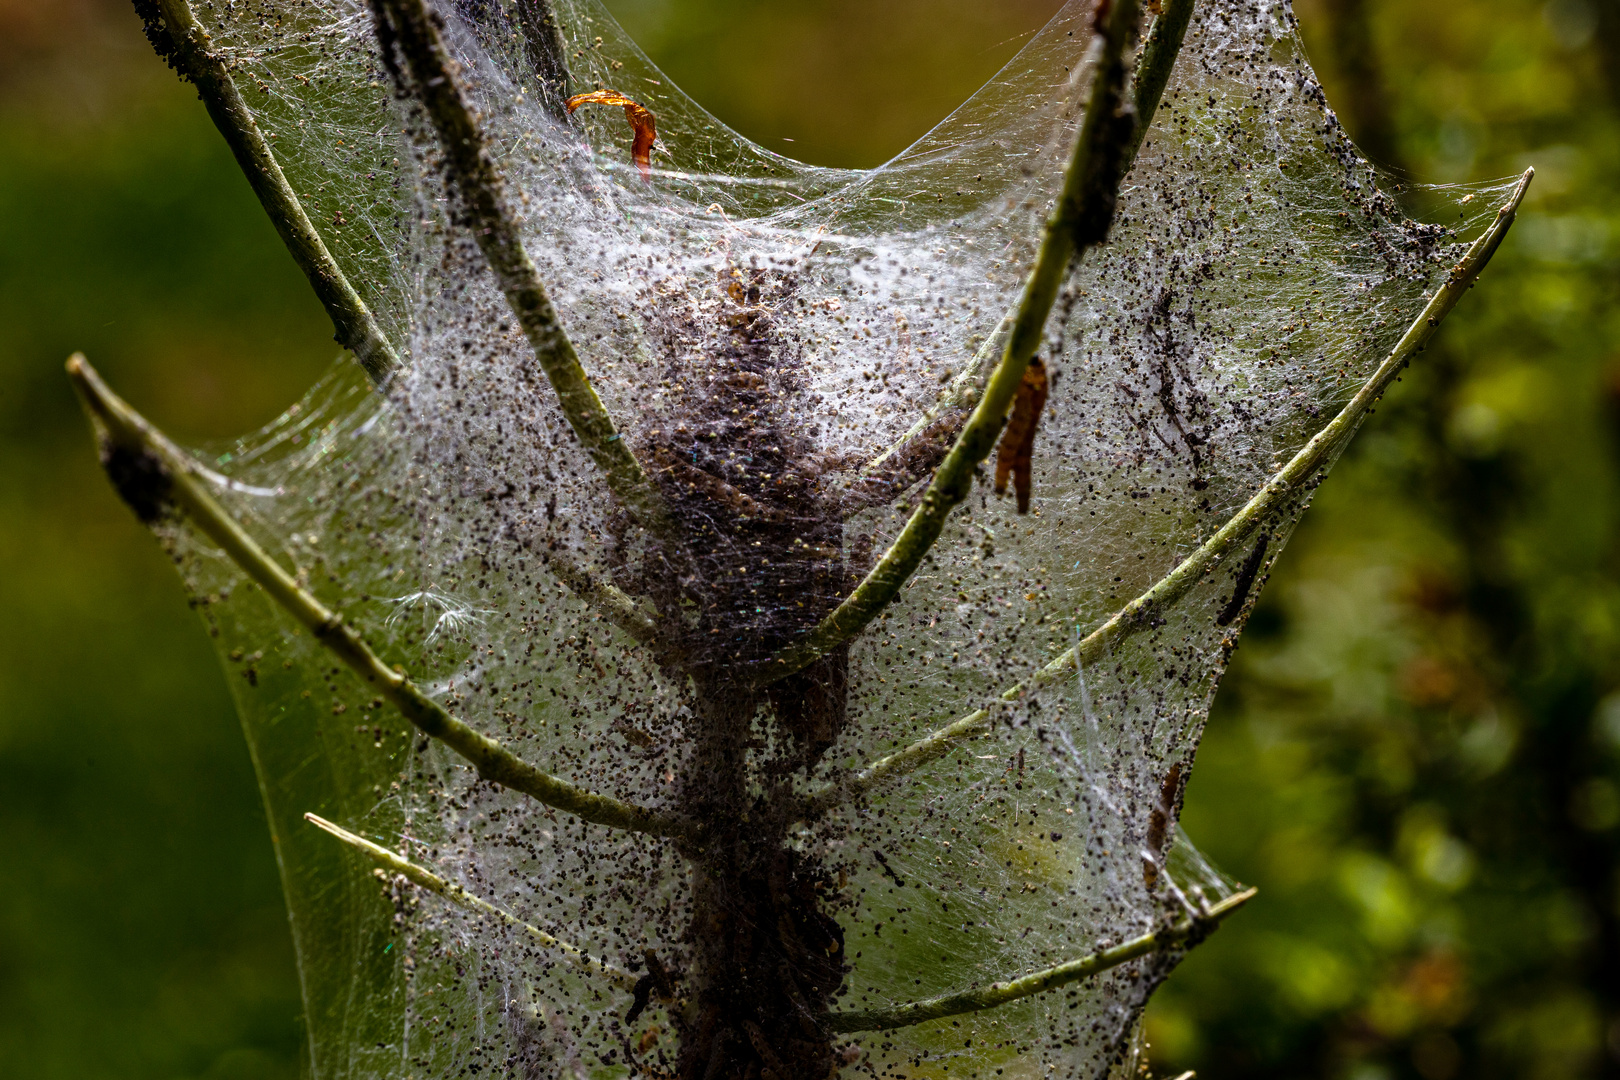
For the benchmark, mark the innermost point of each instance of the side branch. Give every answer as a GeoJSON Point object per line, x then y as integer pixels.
{"type": "Point", "coordinates": [181, 40]}
{"type": "Point", "coordinates": [157, 480]}
{"type": "Point", "coordinates": [1141, 613]}
{"type": "Point", "coordinates": [611, 602]}
{"type": "Point", "coordinates": [462, 898]}
{"type": "Point", "coordinates": [407, 31]}
{"type": "Point", "coordinates": [1153, 67]}
{"type": "Point", "coordinates": [1183, 934]}
{"type": "Point", "coordinates": [548, 54]}
{"type": "Point", "coordinates": [1081, 220]}
{"type": "Point", "coordinates": [1309, 464]}
{"type": "Point", "coordinates": [1158, 58]}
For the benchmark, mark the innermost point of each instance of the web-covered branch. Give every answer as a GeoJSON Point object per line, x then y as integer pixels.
{"type": "Point", "coordinates": [408, 32]}
{"type": "Point", "coordinates": [1084, 212]}
{"type": "Point", "coordinates": [1180, 934]}
{"type": "Point", "coordinates": [548, 55]}
{"type": "Point", "coordinates": [1153, 66]}
{"type": "Point", "coordinates": [1292, 481]}
{"type": "Point", "coordinates": [156, 479]}
{"type": "Point", "coordinates": [788, 351]}
{"type": "Point", "coordinates": [459, 896]}
{"type": "Point", "coordinates": [181, 40]}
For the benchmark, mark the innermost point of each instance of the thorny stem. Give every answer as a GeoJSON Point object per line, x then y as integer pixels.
{"type": "Point", "coordinates": [408, 27]}
{"type": "Point", "coordinates": [181, 40]}
{"type": "Point", "coordinates": [1153, 66]}
{"type": "Point", "coordinates": [1081, 219]}
{"type": "Point", "coordinates": [462, 898]}
{"type": "Point", "coordinates": [155, 477]}
{"type": "Point", "coordinates": [1184, 932]}
{"type": "Point", "coordinates": [1303, 472]}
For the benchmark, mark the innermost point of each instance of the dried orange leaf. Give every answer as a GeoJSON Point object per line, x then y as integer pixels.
{"type": "Point", "coordinates": [1018, 440]}
{"type": "Point", "coordinates": [641, 123]}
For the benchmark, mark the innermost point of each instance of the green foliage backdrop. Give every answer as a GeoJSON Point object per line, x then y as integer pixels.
{"type": "Point", "coordinates": [1416, 756]}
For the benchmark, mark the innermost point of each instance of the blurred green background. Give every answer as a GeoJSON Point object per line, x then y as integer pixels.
{"type": "Point", "coordinates": [1415, 756]}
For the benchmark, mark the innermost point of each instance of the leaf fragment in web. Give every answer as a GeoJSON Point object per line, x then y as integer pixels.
{"type": "Point", "coordinates": [1018, 438]}
{"type": "Point", "coordinates": [643, 126]}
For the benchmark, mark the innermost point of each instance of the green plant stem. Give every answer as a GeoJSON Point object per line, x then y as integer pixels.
{"type": "Point", "coordinates": [1186, 932]}
{"type": "Point", "coordinates": [1306, 468]}
{"type": "Point", "coordinates": [548, 54]}
{"type": "Point", "coordinates": [155, 478]}
{"type": "Point", "coordinates": [1153, 67]}
{"type": "Point", "coordinates": [961, 394]}
{"type": "Point", "coordinates": [405, 25]}
{"type": "Point", "coordinates": [1081, 219]}
{"type": "Point", "coordinates": [462, 898]}
{"type": "Point", "coordinates": [613, 603]}
{"type": "Point", "coordinates": [186, 44]}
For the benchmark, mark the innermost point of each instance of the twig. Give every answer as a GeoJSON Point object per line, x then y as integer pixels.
{"type": "Point", "coordinates": [1084, 212]}
{"type": "Point", "coordinates": [1153, 69]}
{"type": "Point", "coordinates": [960, 396]}
{"type": "Point", "coordinates": [1299, 474]}
{"type": "Point", "coordinates": [462, 898]}
{"type": "Point", "coordinates": [156, 478]}
{"type": "Point", "coordinates": [406, 30]}
{"type": "Point", "coordinates": [930, 747]}
{"type": "Point", "coordinates": [613, 603]}
{"type": "Point", "coordinates": [1302, 472]}
{"type": "Point", "coordinates": [181, 40]}
{"type": "Point", "coordinates": [1187, 931]}
{"type": "Point", "coordinates": [548, 55]}
{"type": "Point", "coordinates": [1153, 66]}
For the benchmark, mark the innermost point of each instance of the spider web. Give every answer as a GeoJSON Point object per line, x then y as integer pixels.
{"type": "Point", "coordinates": [1256, 274]}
